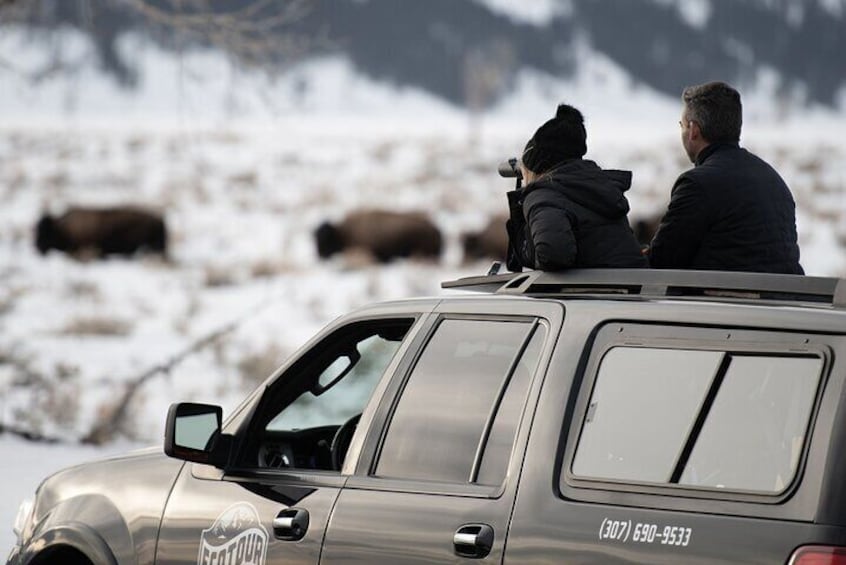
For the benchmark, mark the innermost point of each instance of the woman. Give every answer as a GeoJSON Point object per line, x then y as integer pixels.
{"type": "Point", "coordinates": [571, 213]}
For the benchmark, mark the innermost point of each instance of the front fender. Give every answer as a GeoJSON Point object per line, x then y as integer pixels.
{"type": "Point", "coordinates": [113, 506]}
{"type": "Point", "coordinates": [76, 535]}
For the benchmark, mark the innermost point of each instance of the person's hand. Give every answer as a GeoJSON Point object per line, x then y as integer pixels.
{"type": "Point", "coordinates": [515, 202]}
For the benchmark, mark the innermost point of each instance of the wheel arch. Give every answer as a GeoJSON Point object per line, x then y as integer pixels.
{"type": "Point", "coordinates": [75, 544]}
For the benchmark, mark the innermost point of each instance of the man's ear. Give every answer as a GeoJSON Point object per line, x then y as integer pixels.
{"type": "Point", "coordinates": [693, 131]}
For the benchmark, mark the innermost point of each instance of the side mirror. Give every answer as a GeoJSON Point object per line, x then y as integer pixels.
{"type": "Point", "coordinates": [192, 433]}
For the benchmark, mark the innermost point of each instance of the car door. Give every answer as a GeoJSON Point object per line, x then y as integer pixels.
{"type": "Point", "coordinates": [438, 483]}
{"type": "Point", "coordinates": [271, 501]}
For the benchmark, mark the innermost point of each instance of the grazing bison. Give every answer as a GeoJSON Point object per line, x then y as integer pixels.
{"type": "Point", "coordinates": [645, 227]}
{"type": "Point", "coordinates": [102, 231]}
{"type": "Point", "coordinates": [490, 243]}
{"type": "Point", "coordinates": [384, 235]}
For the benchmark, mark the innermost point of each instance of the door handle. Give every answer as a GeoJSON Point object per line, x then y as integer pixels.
{"type": "Point", "coordinates": [291, 524]}
{"type": "Point", "coordinates": [473, 540]}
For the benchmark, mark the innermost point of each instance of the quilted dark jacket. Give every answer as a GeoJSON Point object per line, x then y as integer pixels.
{"type": "Point", "coordinates": [731, 212]}
{"type": "Point", "coordinates": [575, 216]}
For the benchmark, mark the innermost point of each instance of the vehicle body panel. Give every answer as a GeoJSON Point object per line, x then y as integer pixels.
{"type": "Point", "coordinates": [110, 508]}
{"type": "Point", "coordinates": [588, 524]}
{"type": "Point", "coordinates": [187, 533]}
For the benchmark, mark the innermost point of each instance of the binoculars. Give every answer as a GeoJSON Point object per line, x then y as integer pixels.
{"type": "Point", "coordinates": [510, 168]}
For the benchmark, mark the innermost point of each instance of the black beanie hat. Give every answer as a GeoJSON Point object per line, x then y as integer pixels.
{"type": "Point", "coordinates": [561, 138]}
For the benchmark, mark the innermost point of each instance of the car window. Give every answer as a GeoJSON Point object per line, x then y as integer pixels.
{"type": "Point", "coordinates": [439, 422]}
{"type": "Point", "coordinates": [308, 415]}
{"type": "Point", "coordinates": [348, 396]}
{"type": "Point", "coordinates": [711, 419]}
{"type": "Point", "coordinates": [643, 404]}
{"type": "Point", "coordinates": [755, 431]}
{"type": "Point", "coordinates": [497, 450]}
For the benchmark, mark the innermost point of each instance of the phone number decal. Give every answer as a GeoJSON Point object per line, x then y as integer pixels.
{"type": "Point", "coordinates": [640, 532]}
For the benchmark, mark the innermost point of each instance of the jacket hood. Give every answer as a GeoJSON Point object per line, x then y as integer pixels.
{"type": "Point", "coordinates": [583, 182]}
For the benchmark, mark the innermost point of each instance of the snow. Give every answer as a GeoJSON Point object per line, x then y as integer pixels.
{"type": "Point", "coordinates": [243, 176]}
{"type": "Point", "coordinates": [694, 13]}
{"type": "Point", "coordinates": [25, 464]}
{"type": "Point", "coordinates": [834, 7]}
{"type": "Point", "coordinates": [535, 12]}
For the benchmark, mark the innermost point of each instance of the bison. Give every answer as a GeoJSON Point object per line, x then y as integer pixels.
{"type": "Point", "coordinates": [384, 235]}
{"type": "Point", "coordinates": [102, 231]}
{"type": "Point", "coordinates": [644, 228]}
{"type": "Point", "coordinates": [490, 243]}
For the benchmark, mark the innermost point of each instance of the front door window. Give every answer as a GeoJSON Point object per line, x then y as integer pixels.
{"type": "Point", "coordinates": [307, 418]}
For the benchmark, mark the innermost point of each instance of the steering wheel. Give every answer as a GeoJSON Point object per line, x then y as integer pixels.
{"type": "Point", "coordinates": [272, 456]}
{"type": "Point", "coordinates": [341, 441]}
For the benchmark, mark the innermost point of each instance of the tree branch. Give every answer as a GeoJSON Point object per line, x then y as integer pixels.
{"type": "Point", "coordinates": [105, 429]}
{"type": "Point", "coordinates": [259, 32]}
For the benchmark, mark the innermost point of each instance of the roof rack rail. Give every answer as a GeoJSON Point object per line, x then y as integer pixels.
{"type": "Point", "coordinates": [661, 283]}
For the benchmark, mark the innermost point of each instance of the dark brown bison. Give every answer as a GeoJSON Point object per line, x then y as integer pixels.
{"type": "Point", "coordinates": [644, 228]}
{"type": "Point", "coordinates": [384, 235]}
{"type": "Point", "coordinates": [490, 243]}
{"type": "Point", "coordinates": [102, 231]}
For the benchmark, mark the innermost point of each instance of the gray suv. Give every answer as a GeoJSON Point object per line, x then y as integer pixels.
{"type": "Point", "coordinates": [595, 416]}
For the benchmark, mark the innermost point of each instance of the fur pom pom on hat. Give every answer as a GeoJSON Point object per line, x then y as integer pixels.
{"type": "Point", "coordinates": [561, 138]}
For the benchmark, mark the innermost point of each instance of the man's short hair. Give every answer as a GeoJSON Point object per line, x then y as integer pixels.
{"type": "Point", "coordinates": [716, 107]}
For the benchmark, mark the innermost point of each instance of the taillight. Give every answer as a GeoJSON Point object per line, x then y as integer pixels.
{"type": "Point", "coordinates": [818, 555]}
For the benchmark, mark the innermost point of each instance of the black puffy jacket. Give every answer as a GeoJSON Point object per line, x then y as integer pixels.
{"type": "Point", "coordinates": [731, 212]}
{"type": "Point", "coordinates": [574, 216]}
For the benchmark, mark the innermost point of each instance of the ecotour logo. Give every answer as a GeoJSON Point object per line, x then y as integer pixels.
{"type": "Point", "coordinates": [236, 538]}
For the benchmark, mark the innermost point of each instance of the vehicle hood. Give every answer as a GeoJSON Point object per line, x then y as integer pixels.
{"type": "Point", "coordinates": [143, 469]}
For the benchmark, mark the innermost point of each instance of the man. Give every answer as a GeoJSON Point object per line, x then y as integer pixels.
{"type": "Point", "coordinates": [571, 213]}
{"type": "Point", "coordinates": [732, 211]}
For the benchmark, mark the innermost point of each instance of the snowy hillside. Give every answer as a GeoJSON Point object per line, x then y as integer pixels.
{"type": "Point", "coordinates": [467, 53]}
{"type": "Point", "coordinates": [694, 12]}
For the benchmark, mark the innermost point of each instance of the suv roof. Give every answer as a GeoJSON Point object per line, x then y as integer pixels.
{"type": "Point", "coordinates": [653, 283]}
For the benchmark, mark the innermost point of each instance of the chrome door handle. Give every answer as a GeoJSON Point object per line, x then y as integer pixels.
{"type": "Point", "coordinates": [280, 523]}
{"type": "Point", "coordinates": [291, 524]}
{"type": "Point", "coordinates": [465, 539]}
{"type": "Point", "coordinates": [473, 540]}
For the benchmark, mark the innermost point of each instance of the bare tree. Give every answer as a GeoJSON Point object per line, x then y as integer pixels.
{"type": "Point", "coordinates": [254, 32]}
{"type": "Point", "coordinates": [488, 70]}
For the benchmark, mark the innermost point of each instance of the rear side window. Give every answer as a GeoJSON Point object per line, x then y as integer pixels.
{"type": "Point", "coordinates": [642, 408]}
{"type": "Point", "coordinates": [459, 411]}
{"type": "Point", "coordinates": [756, 427]}
{"type": "Point", "coordinates": [712, 419]}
